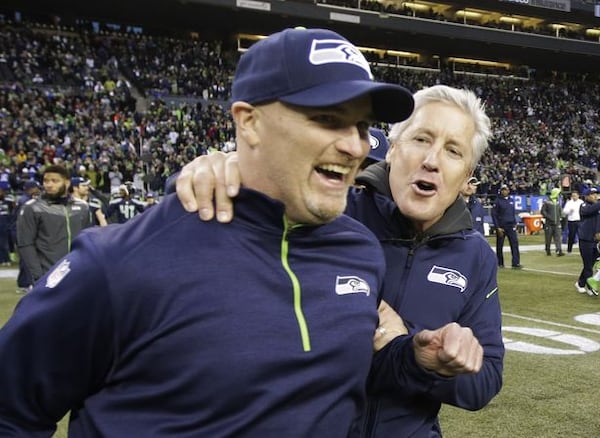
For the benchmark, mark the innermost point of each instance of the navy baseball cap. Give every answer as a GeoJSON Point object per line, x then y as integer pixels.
{"type": "Point", "coordinates": [588, 191]}
{"type": "Point", "coordinates": [379, 144]}
{"type": "Point", "coordinates": [314, 68]}
{"type": "Point", "coordinates": [30, 184]}
{"type": "Point", "coordinates": [79, 181]}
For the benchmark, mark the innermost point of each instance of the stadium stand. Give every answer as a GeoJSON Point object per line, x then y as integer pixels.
{"type": "Point", "coordinates": [120, 97]}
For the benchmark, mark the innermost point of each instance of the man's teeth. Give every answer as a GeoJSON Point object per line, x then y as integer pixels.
{"type": "Point", "coordinates": [343, 170]}
{"type": "Point", "coordinates": [425, 186]}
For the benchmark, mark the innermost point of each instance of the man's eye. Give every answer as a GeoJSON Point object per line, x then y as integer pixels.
{"type": "Point", "coordinates": [455, 151]}
{"type": "Point", "coordinates": [325, 119]}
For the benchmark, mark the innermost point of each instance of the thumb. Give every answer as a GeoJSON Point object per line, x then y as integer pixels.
{"type": "Point", "coordinates": [423, 338]}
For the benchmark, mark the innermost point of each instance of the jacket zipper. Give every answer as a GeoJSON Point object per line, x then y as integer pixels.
{"type": "Point", "coordinates": [68, 220]}
{"type": "Point", "coordinates": [296, 287]}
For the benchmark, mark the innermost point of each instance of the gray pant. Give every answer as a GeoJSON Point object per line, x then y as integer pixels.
{"type": "Point", "coordinates": [553, 232]}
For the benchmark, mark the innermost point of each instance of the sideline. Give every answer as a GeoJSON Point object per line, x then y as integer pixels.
{"type": "Point", "coordinates": [570, 274]}
{"type": "Point", "coordinates": [9, 273]}
{"type": "Point", "coordinates": [526, 248]}
{"type": "Point", "coordinates": [557, 324]}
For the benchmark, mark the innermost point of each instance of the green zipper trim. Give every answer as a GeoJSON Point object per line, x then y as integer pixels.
{"type": "Point", "coordinates": [296, 286]}
{"type": "Point", "coordinates": [68, 228]}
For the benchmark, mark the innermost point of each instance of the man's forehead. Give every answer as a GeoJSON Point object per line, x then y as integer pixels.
{"type": "Point", "coordinates": [53, 175]}
{"type": "Point", "coordinates": [359, 107]}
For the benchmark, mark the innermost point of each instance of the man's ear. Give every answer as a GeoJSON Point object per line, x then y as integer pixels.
{"type": "Point", "coordinates": [246, 117]}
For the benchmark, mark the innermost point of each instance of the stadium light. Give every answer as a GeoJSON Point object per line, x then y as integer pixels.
{"type": "Point", "coordinates": [510, 20]}
{"type": "Point", "coordinates": [480, 62]}
{"type": "Point", "coordinates": [416, 6]}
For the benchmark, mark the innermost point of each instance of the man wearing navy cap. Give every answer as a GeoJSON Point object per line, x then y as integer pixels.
{"type": "Point", "coordinates": [505, 222]}
{"type": "Point", "coordinates": [80, 187]}
{"type": "Point", "coordinates": [151, 200]}
{"type": "Point", "coordinates": [589, 236]}
{"type": "Point", "coordinates": [473, 204]}
{"type": "Point", "coordinates": [262, 328]}
{"type": "Point", "coordinates": [83, 190]}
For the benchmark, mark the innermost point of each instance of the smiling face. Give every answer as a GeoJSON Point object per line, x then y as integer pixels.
{"type": "Point", "coordinates": [305, 157]}
{"type": "Point", "coordinates": [431, 161]}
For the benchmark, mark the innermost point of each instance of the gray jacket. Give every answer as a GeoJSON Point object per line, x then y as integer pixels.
{"type": "Point", "coordinates": [552, 213]}
{"type": "Point", "coordinates": [45, 230]}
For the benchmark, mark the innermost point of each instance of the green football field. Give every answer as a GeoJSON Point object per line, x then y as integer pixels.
{"type": "Point", "coordinates": [552, 364]}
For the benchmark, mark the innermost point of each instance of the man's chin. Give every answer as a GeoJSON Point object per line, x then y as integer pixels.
{"type": "Point", "coordinates": [53, 195]}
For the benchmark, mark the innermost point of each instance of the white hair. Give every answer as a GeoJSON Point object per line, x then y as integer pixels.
{"type": "Point", "coordinates": [464, 99]}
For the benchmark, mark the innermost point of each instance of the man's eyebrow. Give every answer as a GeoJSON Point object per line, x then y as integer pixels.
{"type": "Point", "coordinates": [342, 109]}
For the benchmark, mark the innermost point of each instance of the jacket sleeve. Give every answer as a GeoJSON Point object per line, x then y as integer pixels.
{"type": "Point", "coordinates": [86, 220]}
{"type": "Point", "coordinates": [395, 366]}
{"type": "Point", "coordinates": [494, 214]}
{"type": "Point", "coordinates": [26, 237]}
{"type": "Point", "coordinates": [544, 210]}
{"type": "Point", "coordinates": [56, 348]}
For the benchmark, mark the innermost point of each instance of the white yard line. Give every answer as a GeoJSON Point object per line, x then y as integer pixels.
{"type": "Point", "coordinates": [556, 324]}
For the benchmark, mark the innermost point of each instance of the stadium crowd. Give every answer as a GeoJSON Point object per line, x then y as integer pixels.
{"type": "Point", "coordinates": [116, 107]}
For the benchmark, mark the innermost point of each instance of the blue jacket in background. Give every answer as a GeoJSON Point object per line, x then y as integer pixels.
{"type": "Point", "coordinates": [447, 274]}
{"type": "Point", "coordinates": [477, 213]}
{"type": "Point", "coordinates": [168, 326]}
{"type": "Point", "coordinates": [503, 213]}
{"type": "Point", "coordinates": [590, 221]}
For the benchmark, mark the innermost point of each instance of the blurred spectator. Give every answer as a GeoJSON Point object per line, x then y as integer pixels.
{"type": "Point", "coordinates": [505, 222]}
{"type": "Point", "coordinates": [31, 190]}
{"type": "Point", "coordinates": [475, 208]}
{"type": "Point", "coordinates": [47, 226]}
{"type": "Point", "coordinates": [571, 210]}
{"type": "Point", "coordinates": [6, 211]}
{"type": "Point", "coordinates": [589, 236]}
{"type": "Point", "coordinates": [82, 190]}
{"type": "Point", "coordinates": [123, 207]}
{"type": "Point", "coordinates": [552, 213]}
{"type": "Point", "coordinates": [151, 200]}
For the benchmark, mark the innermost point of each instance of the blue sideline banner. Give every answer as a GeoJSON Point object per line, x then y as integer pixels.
{"type": "Point", "coordinates": [520, 203]}
{"type": "Point", "coordinates": [536, 202]}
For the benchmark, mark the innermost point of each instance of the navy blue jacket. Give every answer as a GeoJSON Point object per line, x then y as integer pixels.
{"type": "Point", "coordinates": [168, 326]}
{"type": "Point", "coordinates": [477, 213]}
{"type": "Point", "coordinates": [503, 213]}
{"type": "Point", "coordinates": [446, 274]}
{"type": "Point", "coordinates": [590, 221]}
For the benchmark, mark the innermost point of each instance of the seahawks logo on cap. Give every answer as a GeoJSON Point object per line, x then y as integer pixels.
{"type": "Point", "coordinates": [447, 276]}
{"type": "Point", "coordinates": [373, 141]}
{"type": "Point", "coordinates": [329, 51]}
